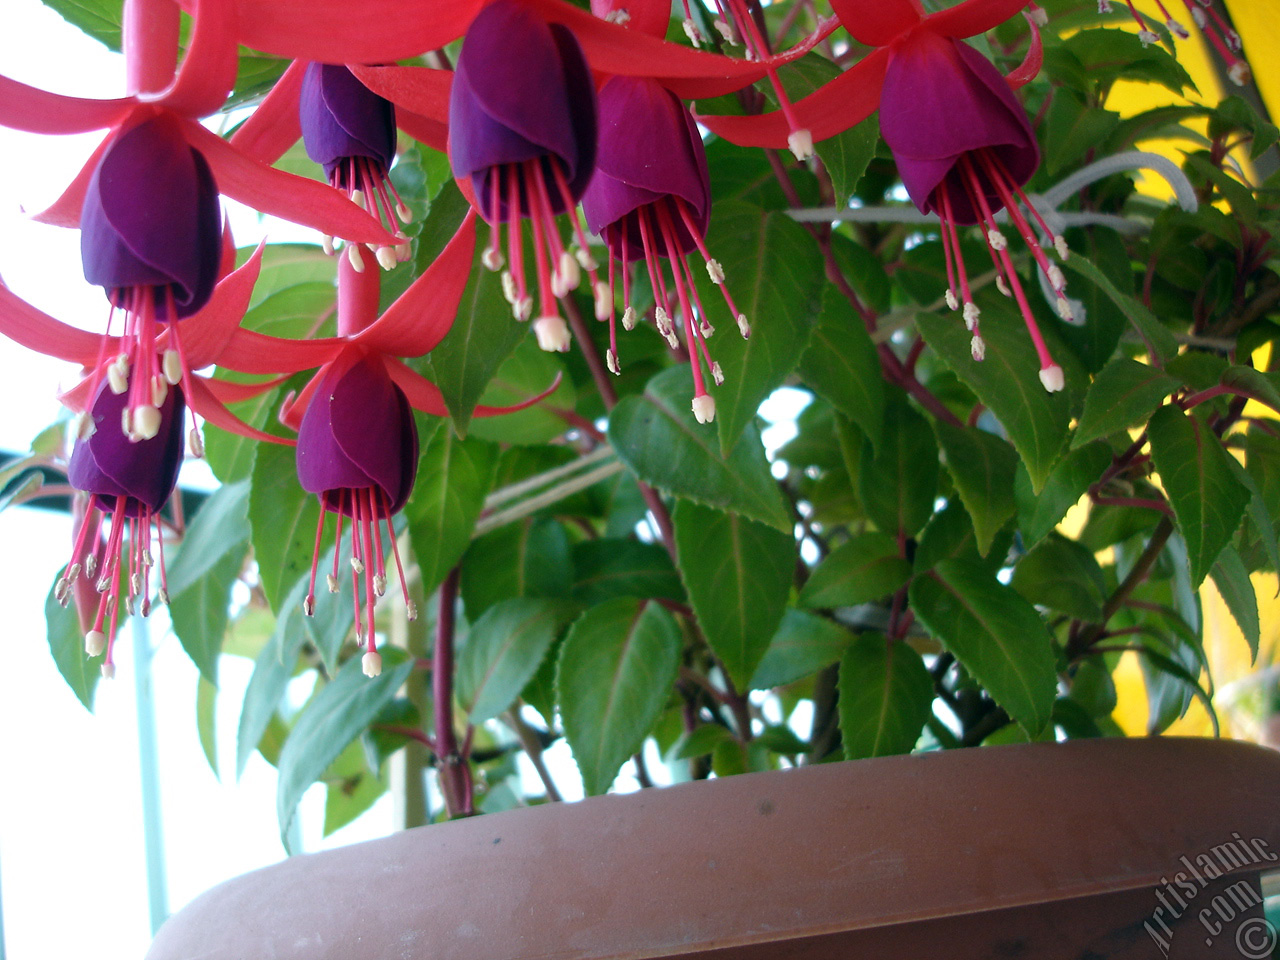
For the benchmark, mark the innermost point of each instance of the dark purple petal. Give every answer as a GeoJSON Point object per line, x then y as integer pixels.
{"type": "Point", "coordinates": [357, 432]}
{"type": "Point", "coordinates": [649, 149]}
{"type": "Point", "coordinates": [941, 100]}
{"type": "Point", "coordinates": [521, 91]}
{"type": "Point", "coordinates": [109, 464]}
{"type": "Point", "coordinates": [151, 219]}
{"type": "Point", "coordinates": [342, 118]}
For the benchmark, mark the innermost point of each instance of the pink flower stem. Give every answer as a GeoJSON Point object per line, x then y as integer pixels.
{"type": "Point", "coordinates": [150, 39]}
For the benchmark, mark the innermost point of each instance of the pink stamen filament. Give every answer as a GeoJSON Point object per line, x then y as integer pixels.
{"type": "Point", "coordinates": [686, 217]}
{"type": "Point", "coordinates": [996, 177]}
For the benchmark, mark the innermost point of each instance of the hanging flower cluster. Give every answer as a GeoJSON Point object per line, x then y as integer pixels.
{"type": "Point", "coordinates": [548, 107]}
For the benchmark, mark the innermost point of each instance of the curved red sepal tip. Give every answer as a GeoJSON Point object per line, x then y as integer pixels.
{"type": "Point", "coordinates": [422, 315]}
{"type": "Point", "coordinates": [323, 30]}
{"type": "Point", "coordinates": [208, 72]}
{"type": "Point", "coordinates": [204, 402]}
{"type": "Point", "coordinates": [972, 17]}
{"type": "Point", "coordinates": [206, 333]}
{"type": "Point", "coordinates": [27, 108]}
{"type": "Point", "coordinates": [1026, 71]}
{"type": "Point", "coordinates": [36, 330]}
{"type": "Point", "coordinates": [834, 107]}
{"type": "Point", "coordinates": [274, 127]}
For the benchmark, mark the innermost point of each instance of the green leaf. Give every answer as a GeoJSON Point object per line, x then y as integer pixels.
{"type": "Point", "coordinates": [898, 481]}
{"type": "Point", "coordinates": [1124, 394]}
{"type": "Point", "coordinates": [503, 651]}
{"type": "Point", "coordinates": [351, 788]}
{"type": "Point", "coordinates": [206, 722]}
{"type": "Point", "coordinates": [1160, 342]}
{"type": "Point", "coordinates": [982, 467]}
{"type": "Point", "coordinates": [867, 567]}
{"type": "Point", "coordinates": [1259, 502]}
{"type": "Point", "coordinates": [1095, 339]}
{"type": "Point", "coordinates": [522, 376]}
{"type": "Point", "coordinates": [333, 718]}
{"type": "Point", "coordinates": [483, 334]}
{"type": "Point", "coordinates": [804, 644]}
{"type": "Point", "coordinates": [659, 440]}
{"type": "Point", "coordinates": [66, 643]}
{"type": "Point", "coordinates": [283, 518]}
{"type": "Point", "coordinates": [1070, 479]}
{"type": "Point", "coordinates": [1008, 383]}
{"type": "Point", "coordinates": [1072, 129]}
{"type": "Point", "coordinates": [1232, 580]}
{"type": "Point", "coordinates": [1110, 55]}
{"type": "Point", "coordinates": [613, 567]}
{"type": "Point", "coordinates": [267, 683]}
{"type": "Point", "coordinates": [738, 574]}
{"type": "Point", "coordinates": [886, 695]}
{"type": "Point", "coordinates": [1248, 382]}
{"type": "Point", "coordinates": [847, 154]}
{"type": "Point", "coordinates": [529, 558]}
{"type": "Point", "coordinates": [773, 270]}
{"type": "Point", "coordinates": [614, 675]}
{"type": "Point", "coordinates": [949, 536]}
{"type": "Point", "coordinates": [701, 741]}
{"type": "Point", "coordinates": [200, 612]}
{"type": "Point", "coordinates": [1208, 501]}
{"type": "Point", "coordinates": [1062, 575]}
{"type": "Point", "coordinates": [841, 364]}
{"type": "Point", "coordinates": [454, 477]}
{"type": "Point", "coordinates": [995, 634]}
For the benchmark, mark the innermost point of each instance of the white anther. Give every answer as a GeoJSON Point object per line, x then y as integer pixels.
{"type": "Point", "coordinates": [996, 239]}
{"type": "Point", "coordinates": [569, 271]}
{"type": "Point", "coordinates": [126, 422]}
{"type": "Point", "coordinates": [552, 333]}
{"type": "Point", "coordinates": [1039, 16]}
{"type": "Point", "coordinates": [662, 320]}
{"type": "Point", "coordinates": [171, 366]}
{"type": "Point", "coordinates": [744, 328]}
{"type": "Point", "coordinates": [387, 257]}
{"type": "Point", "coordinates": [952, 302]}
{"type": "Point", "coordinates": [978, 348]}
{"type": "Point", "coordinates": [309, 605]}
{"type": "Point", "coordinates": [726, 31]}
{"type": "Point", "coordinates": [1002, 286]}
{"type": "Point", "coordinates": [692, 32]}
{"type": "Point", "coordinates": [971, 315]}
{"type": "Point", "coordinates": [195, 442]}
{"type": "Point", "coordinates": [1147, 37]}
{"type": "Point", "coordinates": [102, 584]}
{"type": "Point", "coordinates": [371, 664]}
{"type": "Point", "coordinates": [603, 300]}
{"type": "Point", "coordinates": [95, 642]}
{"type": "Point", "coordinates": [704, 408]}
{"type": "Point", "coordinates": [559, 289]}
{"type": "Point", "coordinates": [122, 361]}
{"type": "Point", "coordinates": [84, 426]}
{"type": "Point", "coordinates": [1232, 40]}
{"type": "Point", "coordinates": [163, 596]}
{"type": "Point", "coordinates": [404, 250]}
{"type": "Point", "coordinates": [1104, 6]}
{"type": "Point", "coordinates": [72, 572]}
{"type": "Point", "coordinates": [353, 254]}
{"type": "Point", "coordinates": [159, 391]}
{"type": "Point", "coordinates": [619, 16]}
{"type": "Point", "coordinates": [357, 197]}
{"type": "Point", "coordinates": [145, 607]}
{"type": "Point", "coordinates": [1200, 19]}
{"type": "Point", "coordinates": [611, 361]}
{"type": "Point", "coordinates": [1052, 378]}
{"type": "Point", "coordinates": [108, 671]}
{"type": "Point", "coordinates": [672, 340]}
{"type": "Point", "coordinates": [147, 559]}
{"type": "Point", "coordinates": [717, 374]}
{"type": "Point", "coordinates": [1056, 279]}
{"type": "Point", "coordinates": [1240, 73]}
{"type": "Point", "coordinates": [715, 271]}
{"type": "Point", "coordinates": [404, 213]}
{"type": "Point", "coordinates": [135, 583]}
{"type": "Point", "coordinates": [62, 591]}
{"type": "Point", "coordinates": [117, 381]}
{"type": "Point", "coordinates": [146, 422]}
{"type": "Point", "coordinates": [493, 259]}
{"type": "Point", "coordinates": [412, 611]}
{"type": "Point", "coordinates": [509, 291]}
{"type": "Point", "coordinates": [705, 328]}
{"type": "Point", "coordinates": [584, 258]}
{"type": "Point", "coordinates": [1064, 309]}
{"type": "Point", "coordinates": [1177, 29]}
{"type": "Point", "coordinates": [379, 584]}
{"type": "Point", "coordinates": [332, 582]}
{"type": "Point", "coordinates": [326, 244]}
{"type": "Point", "coordinates": [357, 565]}
{"type": "Point", "coordinates": [801, 144]}
{"type": "Point", "coordinates": [522, 310]}
{"type": "Point", "coordinates": [1060, 245]}
{"type": "Point", "coordinates": [629, 318]}
{"type": "Point", "coordinates": [90, 565]}
{"type": "Point", "coordinates": [129, 605]}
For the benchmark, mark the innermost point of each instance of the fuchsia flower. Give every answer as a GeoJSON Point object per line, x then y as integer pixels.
{"type": "Point", "coordinates": [523, 135]}
{"type": "Point", "coordinates": [1212, 24]}
{"type": "Point", "coordinates": [357, 445]}
{"type": "Point", "coordinates": [651, 200]}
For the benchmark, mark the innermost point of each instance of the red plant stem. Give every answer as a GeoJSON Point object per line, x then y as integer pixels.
{"type": "Point", "coordinates": [1188, 402]}
{"type": "Point", "coordinates": [1160, 505]}
{"type": "Point", "coordinates": [454, 771]}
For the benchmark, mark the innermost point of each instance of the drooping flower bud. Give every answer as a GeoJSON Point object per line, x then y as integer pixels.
{"type": "Point", "coordinates": [522, 133]}
{"type": "Point", "coordinates": [129, 481]}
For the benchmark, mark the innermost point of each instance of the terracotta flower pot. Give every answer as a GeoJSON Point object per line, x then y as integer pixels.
{"type": "Point", "coordinates": [1041, 850]}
